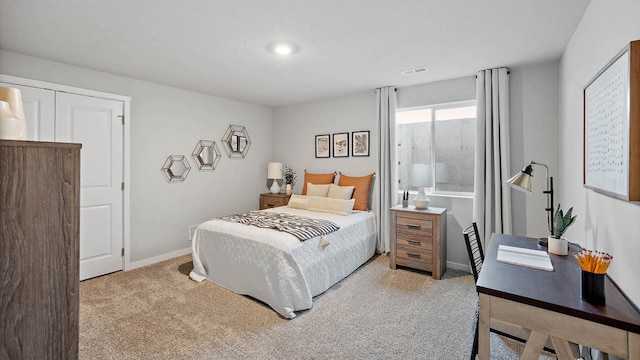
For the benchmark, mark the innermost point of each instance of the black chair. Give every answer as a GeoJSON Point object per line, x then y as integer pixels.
{"type": "Point", "coordinates": [474, 249]}
{"type": "Point", "coordinates": [476, 258]}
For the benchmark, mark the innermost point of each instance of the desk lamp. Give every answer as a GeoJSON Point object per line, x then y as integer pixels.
{"type": "Point", "coordinates": [522, 181]}
{"type": "Point", "coordinates": [274, 172]}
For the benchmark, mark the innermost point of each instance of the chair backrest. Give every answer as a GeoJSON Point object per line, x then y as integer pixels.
{"type": "Point", "coordinates": [474, 248]}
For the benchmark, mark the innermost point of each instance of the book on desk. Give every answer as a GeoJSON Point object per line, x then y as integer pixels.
{"type": "Point", "coordinates": [536, 259]}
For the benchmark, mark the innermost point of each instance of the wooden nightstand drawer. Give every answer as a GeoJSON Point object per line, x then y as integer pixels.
{"type": "Point", "coordinates": [416, 259]}
{"type": "Point", "coordinates": [268, 201]}
{"type": "Point", "coordinates": [414, 241]}
{"type": "Point", "coordinates": [413, 253]}
{"type": "Point", "coordinates": [420, 227]}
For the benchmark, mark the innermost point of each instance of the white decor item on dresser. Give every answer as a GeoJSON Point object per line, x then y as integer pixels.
{"type": "Point", "coordinates": [12, 122]}
{"type": "Point", "coordinates": [421, 177]}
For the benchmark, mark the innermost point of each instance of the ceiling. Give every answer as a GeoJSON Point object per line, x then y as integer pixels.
{"type": "Point", "coordinates": [219, 47]}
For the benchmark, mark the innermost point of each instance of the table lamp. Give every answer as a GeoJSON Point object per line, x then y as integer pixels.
{"type": "Point", "coordinates": [274, 172]}
{"type": "Point", "coordinates": [522, 181]}
{"type": "Point", "coordinates": [12, 121]}
{"type": "Point", "coordinates": [421, 177]}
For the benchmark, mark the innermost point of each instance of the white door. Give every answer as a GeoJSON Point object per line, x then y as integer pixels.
{"type": "Point", "coordinates": [97, 124]}
{"type": "Point", "coordinates": [38, 111]}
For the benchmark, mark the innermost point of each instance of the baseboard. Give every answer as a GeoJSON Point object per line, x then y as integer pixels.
{"type": "Point", "coordinates": [458, 266]}
{"type": "Point", "coordinates": [156, 259]}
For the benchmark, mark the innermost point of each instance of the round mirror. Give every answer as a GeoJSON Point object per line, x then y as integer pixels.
{"type": "Point", "coordinates": [176, 168]}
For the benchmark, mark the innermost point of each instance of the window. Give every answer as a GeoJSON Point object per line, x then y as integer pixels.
{"type": "Point", "coordinates": [443, 135]}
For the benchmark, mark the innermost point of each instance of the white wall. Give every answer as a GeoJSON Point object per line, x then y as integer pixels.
{"type": "Point", "coordinates": [603, 223]}
{"type": "Point", "coordinates": [296, 126]}
{"type": "Point", "coordinates": [169, 121]}
{"type": "Point", "coordinates": [534, 136]}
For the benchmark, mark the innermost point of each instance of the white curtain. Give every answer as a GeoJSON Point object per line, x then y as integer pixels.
{"type": "Point", "coordinates": [492, 196]}
{"type": "Point", "coordinates": [387, 175]}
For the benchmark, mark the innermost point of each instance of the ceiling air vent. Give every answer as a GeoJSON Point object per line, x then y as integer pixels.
{"type": "Point", "coordinates": [415, 71]}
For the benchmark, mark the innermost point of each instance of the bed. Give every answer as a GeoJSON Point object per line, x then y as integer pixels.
{"type": "Point", "coordinates": [277, 268]}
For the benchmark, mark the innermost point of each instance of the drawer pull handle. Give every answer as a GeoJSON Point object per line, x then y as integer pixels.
{"type": "Point", "coordinates": [413, 242]}
{"type": "Point", "coordinates": [411, 226]}
{"type": "Point", "coordinates": [415, 256]}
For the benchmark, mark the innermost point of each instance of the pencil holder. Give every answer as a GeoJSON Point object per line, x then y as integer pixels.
{"type": "Point", "coordinates": [592, 287]}
{"type": "Point", "coordinates": [405, 203]}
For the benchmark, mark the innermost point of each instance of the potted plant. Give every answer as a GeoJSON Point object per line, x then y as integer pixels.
{"type": "Point", "coordinates": [557, 244]}
{"type": "Point", "coordinates": [289, 179]}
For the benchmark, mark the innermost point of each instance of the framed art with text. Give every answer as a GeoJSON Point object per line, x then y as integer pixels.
{"type": "Point", "coordinates": [612, 127]}
{"type": "Point", "coordinates": [360, 143]}
{"type": "Point", "coordinates": [341, 145]}
{"type": "Point", "coordinates": [322, 146]}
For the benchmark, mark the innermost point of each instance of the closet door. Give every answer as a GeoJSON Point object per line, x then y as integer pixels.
{"type": "Point", "coordinates": [97, 124]}
{"type": "Point", "coordinates": [39, 105]}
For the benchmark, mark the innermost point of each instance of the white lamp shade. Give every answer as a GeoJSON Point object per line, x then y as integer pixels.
{"type": "Point", "coordinates": [14, 99]}
{"type": "Point", "coordinates": [12, 122]}
{"type": "Point", "coordinates": [421, 175]}
{"type": "Point", "coordinates": [5, 110]}
{"type": "Point", "coordinates": [274, 170]}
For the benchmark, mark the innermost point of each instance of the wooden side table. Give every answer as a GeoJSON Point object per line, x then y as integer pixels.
{"type": "Point", "coordinates": [419, 239]}
{"type": "Point", "coordinates": [270, 200]}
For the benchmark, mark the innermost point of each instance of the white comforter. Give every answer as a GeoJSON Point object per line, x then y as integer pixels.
{"type": "Point", "coordinates": [277, 268]}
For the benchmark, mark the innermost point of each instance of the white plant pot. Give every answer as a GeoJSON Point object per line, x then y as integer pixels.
{"type": "Point", "coordinates": [558, 246]}
{"type": "Point", "coordinates": [288, 189]}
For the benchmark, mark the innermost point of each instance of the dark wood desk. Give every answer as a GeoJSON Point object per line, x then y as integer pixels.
{"type": "Point", "coordinates": [549, 304]}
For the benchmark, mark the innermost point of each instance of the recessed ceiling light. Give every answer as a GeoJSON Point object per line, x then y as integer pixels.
{"type": "Point", "coordinates": [282, 48]}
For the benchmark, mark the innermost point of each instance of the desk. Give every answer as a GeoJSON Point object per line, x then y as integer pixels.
{"type": "Point", "coordinates": [549, 304]}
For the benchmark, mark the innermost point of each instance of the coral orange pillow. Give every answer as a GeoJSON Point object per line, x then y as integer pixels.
{"type": "Point", "coordinates": [316, 179]}
{"type": "Point", "coordinates": [362, 186]}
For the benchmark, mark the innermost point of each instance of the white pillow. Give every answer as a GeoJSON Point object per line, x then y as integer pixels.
{"type": "Point", "coordinates": [320, 190]}
{"type": "Point", "coordinates": [329, 205]}
{"type": "Point", "coordinates": [297, 202]}
{"type": "Point", "coordinates": [340, 192]}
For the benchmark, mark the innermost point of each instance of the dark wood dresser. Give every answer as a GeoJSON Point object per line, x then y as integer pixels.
{"type": "Point", "coordinates": [39, 249]}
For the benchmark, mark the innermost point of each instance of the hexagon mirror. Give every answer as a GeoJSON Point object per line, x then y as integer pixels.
{"type": "Point", "coordinates": [176, 168]}
{"type": "Point", "coordinates": [236, 141]}
{"type": "Point", "coordinates": [206, 155]}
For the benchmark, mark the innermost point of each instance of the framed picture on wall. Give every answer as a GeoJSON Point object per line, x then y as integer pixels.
{"type": "Point", "coordinates": [341, 145]}
{"type": "Point", "coordinates": [322, 146]}
{"type": "Point", "coordinates": [612, 127]}
{"type": "Point", "coordinates": [360, 143]}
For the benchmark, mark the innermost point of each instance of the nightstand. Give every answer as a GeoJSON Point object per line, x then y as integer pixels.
{"type": "Point", "coordinates": [270, 200]}
{"type": "Point", "coordinates": [419, 239]}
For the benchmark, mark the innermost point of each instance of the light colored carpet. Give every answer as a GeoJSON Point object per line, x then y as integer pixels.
{"type": "Point", "coordinates": [157, 312]}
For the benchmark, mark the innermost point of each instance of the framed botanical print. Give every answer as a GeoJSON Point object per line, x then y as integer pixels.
{"type": "Point", "coordinates": [360, 143]}
{"type": "Point", "coordinates": [322, 146]}
{"type": "Point", "coordinates": [341, 145]}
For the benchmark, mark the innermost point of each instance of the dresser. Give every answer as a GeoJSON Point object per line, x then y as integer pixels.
{"type": "Point", "coordinates": [269, 200]}
{"type": "Point", "coordinates": [419, 239]}
{"type": "Point", "coordinates": [39, 249]}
